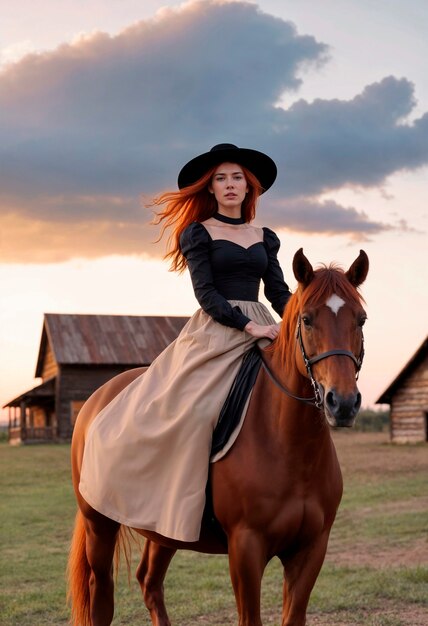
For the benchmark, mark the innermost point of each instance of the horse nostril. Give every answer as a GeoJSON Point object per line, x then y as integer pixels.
{"type": "Point", "coordinates": [357, 403]}
{"type": "Point", "coordinates": [342, 408]}
{"type": "Point", "coordinates": [331, 400]}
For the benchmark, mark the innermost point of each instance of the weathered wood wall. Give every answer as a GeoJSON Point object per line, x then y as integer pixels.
{"type": "Point", "coordinates": [50, 367]}
{"type": "Point", "coordinates": [409, 407]}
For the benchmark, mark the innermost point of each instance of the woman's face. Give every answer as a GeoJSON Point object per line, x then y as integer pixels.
{"type": "Point", "coordinates": [229, 186]}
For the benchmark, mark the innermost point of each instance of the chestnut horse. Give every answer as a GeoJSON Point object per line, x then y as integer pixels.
{"type": "Point", "coordinates": [277, 491]}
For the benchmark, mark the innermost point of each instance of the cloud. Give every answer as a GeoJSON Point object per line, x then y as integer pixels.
{"type": "Point", "coordinates": [90, 126]}
{"type": "Point", "coordinates": [328, 217]}
{"type": "Point", "coordinates": [329, 144]}
{"type": "Point", "coordinates": [119, 113]}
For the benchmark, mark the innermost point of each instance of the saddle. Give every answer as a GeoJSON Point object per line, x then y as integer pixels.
{"type": "Point", "coordinates": [231, 411]}
{"type": "Point", "coordinates": [230, 416]}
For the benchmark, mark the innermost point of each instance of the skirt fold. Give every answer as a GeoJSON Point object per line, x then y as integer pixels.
{"type": "Point", "coordinates": [147, 452]}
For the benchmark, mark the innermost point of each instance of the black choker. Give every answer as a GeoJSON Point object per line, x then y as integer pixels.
{"type": "Point", "coordinates": [228, 220]}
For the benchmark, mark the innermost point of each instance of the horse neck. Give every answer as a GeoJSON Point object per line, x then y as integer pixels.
{"type": "Point", "coordinates": [292, 422]}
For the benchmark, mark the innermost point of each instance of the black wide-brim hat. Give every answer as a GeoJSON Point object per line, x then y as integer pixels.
{"type": "Point", "coordinates": [259, 164]}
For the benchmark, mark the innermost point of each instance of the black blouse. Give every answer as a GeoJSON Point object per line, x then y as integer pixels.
{"type": "Point", "coordinates": [223, 270]}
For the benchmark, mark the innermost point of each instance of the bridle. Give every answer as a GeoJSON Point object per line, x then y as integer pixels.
{"type": "Point", "coordinates": [318, 397]}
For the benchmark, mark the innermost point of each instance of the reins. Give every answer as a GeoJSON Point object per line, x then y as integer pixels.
{"type": "Point", "coordinates": [311, 401]}
{"type": "Point", "coordinates": [318, 398]}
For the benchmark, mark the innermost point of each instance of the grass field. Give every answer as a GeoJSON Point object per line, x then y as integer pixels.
{"type": "Point", "coordinates": [375, 573]}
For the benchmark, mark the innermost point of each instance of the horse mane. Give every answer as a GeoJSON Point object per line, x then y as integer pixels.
{"type": "Point", "coordinates": [327, 280]}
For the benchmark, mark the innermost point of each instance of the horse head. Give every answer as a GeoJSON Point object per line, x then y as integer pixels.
{"type": "Point", "coordinates": [324, 323]}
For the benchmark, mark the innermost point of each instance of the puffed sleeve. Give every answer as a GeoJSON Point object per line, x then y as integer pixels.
{"type": "Point", "coordinates": [276, 289]}
{"type": "Point", "coordinates": [195, 246]}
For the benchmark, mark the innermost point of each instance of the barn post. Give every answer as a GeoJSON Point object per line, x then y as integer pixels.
{"type": "Point", "coordinates": [23, 420]}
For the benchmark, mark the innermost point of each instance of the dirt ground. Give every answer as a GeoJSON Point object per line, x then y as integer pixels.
{"type": "Point", "coordinates": [389, 615]}
{"type": "Point", "coordinates": [368, 454]}
{"type": "Point", "coordinates": [365, 454]}
{"type": "Point", "coordinates": [416, 616]}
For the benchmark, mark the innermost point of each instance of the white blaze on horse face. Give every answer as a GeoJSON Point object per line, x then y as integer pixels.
{"type": "Point", "coordinates": [335, 303]}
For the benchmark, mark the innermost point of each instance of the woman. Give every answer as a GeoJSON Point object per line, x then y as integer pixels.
{"type": "Point", "coordinates": [147, 453]}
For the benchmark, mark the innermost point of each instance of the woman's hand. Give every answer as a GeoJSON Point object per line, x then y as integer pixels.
{"type": "Point", "coordinates": [259, 331]}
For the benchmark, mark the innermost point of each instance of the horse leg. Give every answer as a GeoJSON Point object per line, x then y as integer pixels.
{"type": "Point", "coordinates": [300, 574]}
{"type": "Point", "coordinates": [247, 561]}
{"type": "Point", "coordinates": [150, 574]}
{"type": "Point", "coordinates": [101, 534]}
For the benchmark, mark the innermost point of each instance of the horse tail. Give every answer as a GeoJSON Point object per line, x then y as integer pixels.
{"type": "Point", "coordinates": [125, 540]}
{"type": "Point", "coordinates": [78, 576]}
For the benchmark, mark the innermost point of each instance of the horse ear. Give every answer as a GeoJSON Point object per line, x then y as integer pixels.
{"type": "Point", "coordinates": [302, 269]}
{"type": "Point", "coordinates": [358, 271]}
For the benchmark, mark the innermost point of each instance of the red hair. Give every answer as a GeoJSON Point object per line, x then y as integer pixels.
{"type": "Point", "coordinates": [196, 204]}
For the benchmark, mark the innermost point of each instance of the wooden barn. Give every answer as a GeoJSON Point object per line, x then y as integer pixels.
{"type": "Point", "coordinates": [408, 397]}
{"type": "Point", "coordinates": [77, 354]}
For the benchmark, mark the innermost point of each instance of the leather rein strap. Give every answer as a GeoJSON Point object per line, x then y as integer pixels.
{"type": "Point", "coordinates": [318, 398]}
{"type": "Point", "coordinates": [280, 386]}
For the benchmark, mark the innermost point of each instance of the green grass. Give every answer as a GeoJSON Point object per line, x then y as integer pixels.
{"type": "Point", "coordinates": [382, 490]}
{"type": "Point", "coordinates": [356, 588]}
{"type": "Point", "coordinates": [380, 511]}
{"type": "Point", "coordinates": [36, 518]}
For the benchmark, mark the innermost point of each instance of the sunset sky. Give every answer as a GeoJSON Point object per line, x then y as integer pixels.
{"type": "Point", "coordinates": [103, 101]}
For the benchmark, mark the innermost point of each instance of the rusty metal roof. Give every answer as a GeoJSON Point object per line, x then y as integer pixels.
{"type": "Point", "coordinates": [35, 396]}
{"type": "Point", "coordinates": [106, 339]}
{"type": "Point", "coordinates": [44, 391]}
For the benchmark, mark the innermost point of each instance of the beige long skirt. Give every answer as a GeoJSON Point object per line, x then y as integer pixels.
{"type": "Point", "coordinates": [147, 452]}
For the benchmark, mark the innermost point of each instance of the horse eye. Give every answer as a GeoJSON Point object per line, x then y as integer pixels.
{"type": "Point", "coordinates": [306, 320]}
{"type": "Point", "coordinates": [362, 321]}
